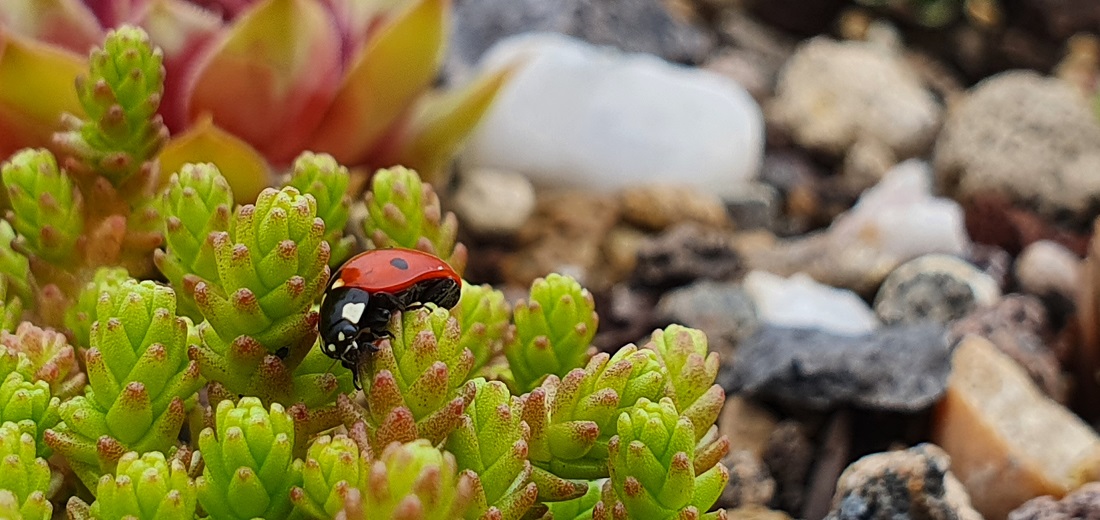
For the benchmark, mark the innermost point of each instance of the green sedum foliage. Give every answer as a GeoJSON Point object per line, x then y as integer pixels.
{"type": "Point", "coordinates": [411, 481]}
{"type": "Point", "coordinates": [327, 181]}
{"type": "Point", "coordinates": [491, 441]}
{"type": "Point", "coordinates": [145, 487]}
{"type": "Point", "coordinates": [333, 466]}
{"type": "Point", "coordinates": [484, 317]}
{"type": "Point", "coordinates": [82, 314]}
{"type": "Point", "coordinates": [250, 468]}
{"type": "Point", "coordinates": [140, 382]}
{"type": "Point", "coordinates": [24, 476]}
{"type": "Point", "coordinates": [47, 211]}
{"type": "Point", "coordinates": [404, 212]}
{"type": "Point", "coordinates": [416, 384]}
{"type": "Point", "coordinates": [554, 329]}
{"type": "Point", "coordinates": [120, 96]}
{"type": "Point", "coordinates": [196, 203]}
{"type": "Point", "coordinates": [653, 468]}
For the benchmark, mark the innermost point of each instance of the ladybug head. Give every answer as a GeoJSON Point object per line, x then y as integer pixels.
{"type": "Point", "coordinates": [351, 319]}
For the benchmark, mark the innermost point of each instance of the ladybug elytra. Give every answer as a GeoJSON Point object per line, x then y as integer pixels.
{"type": "Point", "coordinates": [369, 288]}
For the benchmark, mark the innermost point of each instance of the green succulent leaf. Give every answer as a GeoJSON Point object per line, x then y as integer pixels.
{"type": "Point", "coordinates": [24, 476]}
{"type": "Point", "coordinates": [411, 481]}
{"type": "Point", "coordinates": [250, 468]}
{"type": "Point", "coordinates": [80, 316]}
{"type": "Point", "coordinates": [15, 268]}
{"type": "Point", "coordinates": [570, 436]}
{"type": "Point", "coordinates": [554, 329]}
{"type": "Point", "coordinates": [321, 176]}
{"type": "Point", "coordinates": [652, 469]}
{"type": "Point", "coordinates": [140, 381]}
{"type": "Point", "coordinates": [120, 96]}
{"type": "Point", "coordinates": [47, 211]}
{"type": "Point", "coordinates": [145, 487]}
{"type": "Point", "coordinates": [196, 203]}
{"type": "Point", "coordinates": [11, 309]}
{"type": "Point", "coordinates": [272, 264]}
{"type": "Point", "coordinates": [578, 508]}
{"type": "Point", "coordinates": [416, 382]}
{"type": "Point", "coordinates": [484, 317]}
{"type": "Point", "coordinates": [491, 441]}
{"type": "Point", "coordinates": [29, 405]}
{"type": "Point", "coordinates": [691, 370]}
{"type": "Point", "coordinates": [332, 466]}
{"type": "Point", "coordinates": [404, 212]}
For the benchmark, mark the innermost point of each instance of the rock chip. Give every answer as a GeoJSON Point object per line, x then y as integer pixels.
{"type": "Point", "coordinates": [756, 513]}
{"type": "Point", "coordinates": [747, 425]}
{"type": "Point", "coordinates": [493, 202]}
{"type": "Point", "coordinates": [1025, 136]}
{"type": "Point", "coordinates": [936, 288]}
{"type": "Point", "coordinates": [914, 483]}
{"type": "Point", "coordinates": [832, 95]}
{"type": "Point", "coordinates": [750, 483]}
{"type": "Point", "coordinates": [1046, 268]}
{"type": "Point", "coordinates": [800, 302]}
{"type": "Point", "coordinates": [576, 115]}
{"type": "Point", "coordinates": [897, 220]}
{"type": "Point", "coordinates": [686, 253]}
{"type": "Point", "coordinates": [720, 309]}
{"type": "Point", "coordinates": [658, 207]}
{"type": "Point", "coordinates": [1082, 504]}
{"type": "Point", "coordinates": [899, 368]}
{"type": "Point", "coordinates": [789, 455]}
{"type": "Point", "coordinates": [1017, 325]}
{"type": "Point", "coordinates": [756, 206]}
{"type": "Point", "coordinates": [630, 25]}
{"type": "Point", "coordinates": [1007, 441]}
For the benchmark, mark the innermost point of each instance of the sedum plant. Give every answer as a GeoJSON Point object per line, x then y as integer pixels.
{"type": "Point", "coordinates": [333, 466]}
{"type": "Point", "coordinates": [30, 406]}
{"type": "Point", "coordinates": [402, 211]}
{"type": "Point", "coordinates": [24, 476]}
{"type": "Point", "coordinates": [45, 355]}
{"type": "Point", "coordinates": [416, 387]}
{"type": "Point", "coordinates": [196, 203]}
{"type": "Point", "coordinates": [484, 317]}
{"type": "Point", "coordinates": [140, 382]}
{"type": "Point", "coordinates": [653, 469]}
{"type": "Point", "coordinates": [249, 462]}
{"type": "Point", "coordinates": [271, 267]}
{"type": "Point", "coordinates": [411, 481]}
{"type": "Point", "coordinates": [491, 441]}
{"type": "Point", "coordinates": [327, 181]}
{"type": "Point", "coordinates": [144, 487]}
{"type": "Point", "coordinates": [554, 328]}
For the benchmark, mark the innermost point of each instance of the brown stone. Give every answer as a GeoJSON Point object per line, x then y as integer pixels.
{"type": "Point", "coordinates": [755, 513]}
{"type": "Point", "coordinates": [657, 207]}
{"type": "Point", "coordinates": [1008, 442]}
{"type": "Point", "coordinates": [1083, 504]}
{"type": "Point", "coordinates": [564, 235]}
{"type": "Point", "coordinates": [747, 426]}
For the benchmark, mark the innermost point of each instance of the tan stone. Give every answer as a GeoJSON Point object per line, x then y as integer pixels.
{"type": "Point", "coordinates": [755, 513]}
{"type": "Point", "coordinates": [1007, 441]}
{"type": "Point", "coordinates": [658, 207]}
{"type": "Point", "coordinates": [747, 426]}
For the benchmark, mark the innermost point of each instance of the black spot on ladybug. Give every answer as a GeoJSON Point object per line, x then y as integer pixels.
{"type": "Point", "coordinates": [399, 263]}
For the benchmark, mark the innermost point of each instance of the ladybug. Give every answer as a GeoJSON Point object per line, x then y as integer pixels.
{"type": "Point", "coordinates": [369, 288]}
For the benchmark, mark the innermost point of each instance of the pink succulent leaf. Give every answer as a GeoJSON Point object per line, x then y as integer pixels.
{"type": "Point", "coordinates": [270, 78]}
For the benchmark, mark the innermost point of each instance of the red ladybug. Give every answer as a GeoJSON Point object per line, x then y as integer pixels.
{"type": "Point", "coordinates": [366, 290]}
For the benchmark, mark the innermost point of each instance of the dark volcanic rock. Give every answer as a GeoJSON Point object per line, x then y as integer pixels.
{"type": "Point", "coordinates": [788, 456]}
{"type": "Point", "coordinates": [902, 368]}
{"type": "Point", "coordinates": [686, 253]}
{"type": "Point", "coordinates": [631, 25]}
{"type": "Point", "coordinates": [1083, 504]}
{"type": "Point", "coordinates": [915, 483]}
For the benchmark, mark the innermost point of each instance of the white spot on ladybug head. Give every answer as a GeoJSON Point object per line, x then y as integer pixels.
{"type": "Point", "coordinates": [353, 312]}
{"type": "Point", "coordinates": [331, 348]}
{"type": "Point", "coordinates": [341, 336]}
